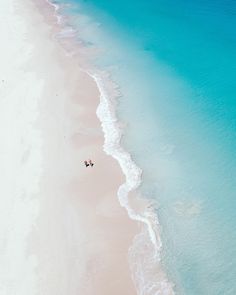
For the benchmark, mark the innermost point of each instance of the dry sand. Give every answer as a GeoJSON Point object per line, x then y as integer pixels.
{"type": "Point", "coordinates": [63, 230]}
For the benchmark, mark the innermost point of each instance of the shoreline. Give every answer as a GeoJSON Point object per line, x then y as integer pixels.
{"type": "Point", "coordinates": [156, 278]}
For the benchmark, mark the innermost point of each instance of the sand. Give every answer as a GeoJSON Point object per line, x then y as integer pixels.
{"type": "Point", "coordinates": [63, 231]}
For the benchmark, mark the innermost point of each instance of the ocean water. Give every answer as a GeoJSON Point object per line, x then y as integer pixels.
{"type": "Point", "coordinates": [175, 65]}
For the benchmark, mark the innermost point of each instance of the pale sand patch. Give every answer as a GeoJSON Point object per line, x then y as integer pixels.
{"type": "Point", "coordinates": [81, 237]}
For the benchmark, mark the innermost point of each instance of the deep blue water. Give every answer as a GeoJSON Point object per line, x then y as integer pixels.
{"type": "Point", "coordinates": [175, 62]}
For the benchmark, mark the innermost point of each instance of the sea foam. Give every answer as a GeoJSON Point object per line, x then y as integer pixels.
{"type": "Point", "coordinates": [144, 253]}
{"type": "Point", "coordinates": [145, 265]}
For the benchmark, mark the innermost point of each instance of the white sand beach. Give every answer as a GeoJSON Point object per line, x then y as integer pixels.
{"type": "Point", "coordinates": [63, 231]}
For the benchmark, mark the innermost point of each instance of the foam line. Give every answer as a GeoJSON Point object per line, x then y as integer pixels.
{"type": "Point", "coordinates": [112, 136]}
{"type": "Point", "coordinates": [133, 174]}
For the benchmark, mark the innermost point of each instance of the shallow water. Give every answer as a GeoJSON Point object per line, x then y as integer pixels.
{"type": "Point", "coordinates": [175, 65]}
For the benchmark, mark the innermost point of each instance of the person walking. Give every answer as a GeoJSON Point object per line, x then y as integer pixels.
{"type": "Point", "coordinates": [86, 164]}
{"type": "Point", "coordinates": [91, 163]}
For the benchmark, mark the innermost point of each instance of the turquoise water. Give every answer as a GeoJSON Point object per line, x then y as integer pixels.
{"type": "Point", "coordinates": [175, 64]}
